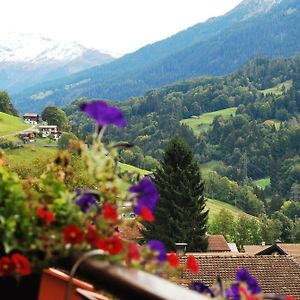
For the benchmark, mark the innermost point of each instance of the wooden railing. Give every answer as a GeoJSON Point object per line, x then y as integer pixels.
{"type": "Point", "coordinates": [127, 283]}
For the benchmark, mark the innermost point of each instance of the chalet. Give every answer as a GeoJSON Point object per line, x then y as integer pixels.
{"type": "Point", "coordinates": [28, 136]}
{"type": "Point", "coordinates": [46, 130]}
{"type": "Point", "coordinates": [31, 118]}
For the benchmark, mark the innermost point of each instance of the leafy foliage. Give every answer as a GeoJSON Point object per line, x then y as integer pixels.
{"type": "Point", "coordinates": [6, 105]}
{"type": "Point", "coordinates": [56, 116]}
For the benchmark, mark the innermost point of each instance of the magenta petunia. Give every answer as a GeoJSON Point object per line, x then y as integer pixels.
{"type": "Point", "coordinates": [103, 113]}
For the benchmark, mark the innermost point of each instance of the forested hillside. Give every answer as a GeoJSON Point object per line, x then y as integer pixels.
{"type": "Point", "coordinates": [216, 47]}
{"type": "Point", "coordinates": [260, 141]}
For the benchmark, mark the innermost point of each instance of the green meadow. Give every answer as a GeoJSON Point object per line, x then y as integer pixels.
{"type": "Point", "coordinates": [202, 122]}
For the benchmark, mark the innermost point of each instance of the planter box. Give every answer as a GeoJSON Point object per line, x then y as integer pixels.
{"type": "Point", "coordinates": [54, 286]}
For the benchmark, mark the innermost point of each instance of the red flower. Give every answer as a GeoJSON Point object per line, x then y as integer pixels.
{"type": "Point", "coordinates": [133, 252]}
{"type": "Point", "coordinates": [73, 234]}
{"type": "Point", "coordinates": [173, 260]}
{"type": "Point", "coordinates": [91, 236]}
{"type": "Point", "coordinates": [22, 264]}
{"type": "Point", "coordinates": [191, 264]}
{"type": "Point", "coordinates": [146, 214]}
{"type": "Point", "coordinates": [46, 215]}
{"type": "Point", "coordinates": [289, 298]}
{"type": "Point", "coordinates": [109, 212]}
{"type": "Point", "coordinates": [6, 266]}
{"type": "Point", "coordinates": [111, 245]}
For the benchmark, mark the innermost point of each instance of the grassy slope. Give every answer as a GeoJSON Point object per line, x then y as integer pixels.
{"type": "Point", "coordinates": [215, 206]}
{"type": "Point", "coordinates": [202, 122]}
{"type": "Point", "coordinates": [28, 160]}
{"type": "Point", "coordinates": [10, 124]}
{"type": "Point", "coordinates": [277, 89]}
{"type": "Point", "coordinates": [263, 183]}
{"type": "Point", "coordinates": [129, 168]}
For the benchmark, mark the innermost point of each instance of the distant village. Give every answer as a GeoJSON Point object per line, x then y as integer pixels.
{"type": "Point", "coordinates": [39, 129]}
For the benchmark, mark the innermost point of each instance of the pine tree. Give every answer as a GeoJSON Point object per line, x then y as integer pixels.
{"type": "Point", "coordinates": [180, 215]}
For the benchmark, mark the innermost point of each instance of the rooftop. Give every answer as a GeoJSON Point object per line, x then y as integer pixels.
{"type": "Point", "coordinates": [217, 243]}
{"type": "Point", "coordinates": [30, 114]}
{"type": "Point", "coordinates": [288, 249]}
{"type": "Point", "coordinates": [254, 249]}
{"type": "Point", "coordinates": [47, 126]}
{"type": "Point", "coordinates": [276, 274]}
{"type": "Point", "coordinates": [131, 230]}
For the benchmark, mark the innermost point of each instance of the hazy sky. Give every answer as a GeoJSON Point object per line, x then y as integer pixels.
{"type": "Point", "coordinates": [120, 26]}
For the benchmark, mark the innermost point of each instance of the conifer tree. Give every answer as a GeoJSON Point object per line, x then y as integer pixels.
{"type": "Point", "coordinates": [180, 214]}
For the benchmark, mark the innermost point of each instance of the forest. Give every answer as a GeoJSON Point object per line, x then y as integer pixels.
{"type": "Point", "coordinates": [262, 140]}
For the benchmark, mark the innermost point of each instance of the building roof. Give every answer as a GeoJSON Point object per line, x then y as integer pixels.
{"type": "Point", "coordinates": [254, 249]}
{"type": "Point", "coordinates": [217, 243]}
{"type": "Point", "coordinates": [131, 230]}
{"type": "Point", "coordinates": [47, 126]}
{"type": "Point", "coordinates": [276, 274]}
{"type": "Point", "coordinates": [31, 115]}
{"type": "Point", "coordinates": [289, 249]}
{"type": "Point", "coordinates": [233, 247]}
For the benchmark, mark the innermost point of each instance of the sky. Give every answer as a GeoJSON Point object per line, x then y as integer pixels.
{"type": "Point", "coordinates": [118, 26]}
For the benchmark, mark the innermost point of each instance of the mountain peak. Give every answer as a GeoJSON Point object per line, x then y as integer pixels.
{"type": "Point", "coordinates": [31, 47]}
{"type": "Point", "coordinates": [29, 58]}
{"type": "Point", "coordinates": [249, 8]}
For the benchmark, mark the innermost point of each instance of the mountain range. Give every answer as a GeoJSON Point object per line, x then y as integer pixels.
{"type": "Point", "coordinates": [28, 59]}
{"type": "Point", "coordinates": [216, 47]}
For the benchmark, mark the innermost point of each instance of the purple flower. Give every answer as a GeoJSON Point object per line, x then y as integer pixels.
{"type": "Point", "coordinates": [103, 113]}
{"type": "Point", "coordinates": [200, 287]}
{"type": "Point", "coordinates": [160, 248]}
{"type": "Point", "coordinates": [87, 200]}
{"type": "Point", "coordinates": [253, 286]}
{"type": "Point", "coordinates": [242, 275]}
{"type": "Point", "coordinates": [234, 292]}
{"type": "Point", "coordinates": [146, 194]}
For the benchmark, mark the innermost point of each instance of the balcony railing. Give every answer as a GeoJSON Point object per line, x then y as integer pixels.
{"type": "Point", "coordinates": [128, 283]}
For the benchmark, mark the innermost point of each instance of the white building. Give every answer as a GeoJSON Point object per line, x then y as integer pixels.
{"type": "Point", "coordinates": [46, 130]}
{"type": "Point", "coordinates": [31, 118]}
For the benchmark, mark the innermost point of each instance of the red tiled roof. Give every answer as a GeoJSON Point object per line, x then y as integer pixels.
{"type": "Point", "coordinates": [254, 249]}
{"type": "Point", "coordinates": [131, 230]}
{"type": "Point", "coordinates": [217, 243]}
{"type": "Point", "coordinates": [290, 249]}
{"type": "Point", "coordinates": [275, 274]}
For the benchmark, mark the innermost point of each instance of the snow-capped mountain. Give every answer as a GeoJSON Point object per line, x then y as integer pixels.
{"type": "Point", "coordinates": [27, 59]}
{"type": "Point", "coordinates": [250, 8]}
